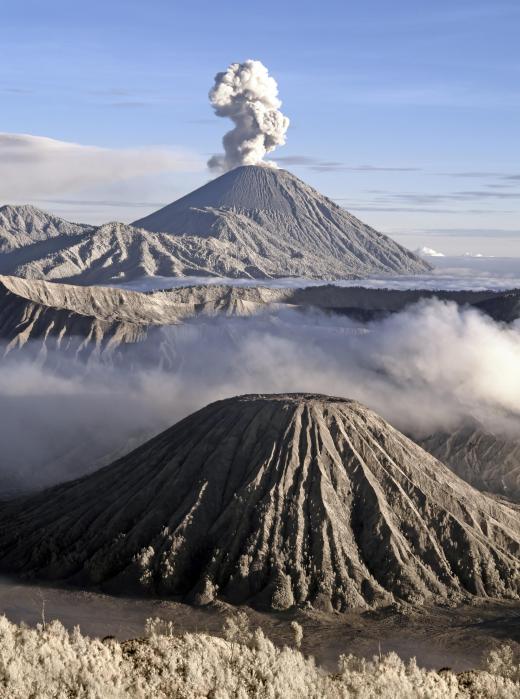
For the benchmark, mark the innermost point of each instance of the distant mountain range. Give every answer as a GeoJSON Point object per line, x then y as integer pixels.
{"type": "Point", "coordinates": [252, 222]}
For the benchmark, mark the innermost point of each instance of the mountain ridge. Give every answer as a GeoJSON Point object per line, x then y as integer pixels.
{"type": "Point", "coordinates": [24, 225]}
{"type": "Point", "coordinates": [260, 223]}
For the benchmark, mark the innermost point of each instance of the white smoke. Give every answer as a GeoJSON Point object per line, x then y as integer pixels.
{"type": "Point", "coordinates": [425, 369]}
{"type": "Point", "coordinates": [248, 95]}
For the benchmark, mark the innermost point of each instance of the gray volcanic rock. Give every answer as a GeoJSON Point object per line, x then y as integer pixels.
{"type": "Point", "coordinates": [487, 461]}
{"type": "Point", "coordinates": [100, 322]}
{"type": "Point", "coordinates": [115, 252]}
{"type": "Point", "coordinates": [283, 227]}
{"type": "Point", "coordinates": [505, 308]}
{"type": "Point", "coordinates": [40, 316]}
{"type": "Point", "coordinates": [21, 226]}
{"type": "Point", "coordinates": [275, 500]}
{"type": "Point", "coordinates": [253, 222]}
{"type": "Point", "coordinates": [86, 320]}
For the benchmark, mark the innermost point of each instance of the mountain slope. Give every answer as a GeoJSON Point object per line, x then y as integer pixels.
{"type": "Point", "coordinates": [273, 214]}
{"type": "Point", "coordinates": [21, 226]}
{"type": "Point", "coordinates": [115, 252]}
{"type": "Point", "coordinates": [277, 500]}
{"type": "Point", "coordinates": [253, 222]}
{"type": "Point", "coordinates": [487, 461]}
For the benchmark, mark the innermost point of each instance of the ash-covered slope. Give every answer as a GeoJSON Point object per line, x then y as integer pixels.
{"type": "Point", "coordinates": [284, 226]}
{"type": "Point", "coordinates": [115, 252]}
{"type": "Point", "coordinates": [277, 500]}
{"type": "Point", "coordinates": [487, 461]}
{"type": "Point", "coordinates": [85, 322]}
{"type": "Point", "coordinates": [21, 226]}
{"type": "Point", "coordinates": [252, 222]}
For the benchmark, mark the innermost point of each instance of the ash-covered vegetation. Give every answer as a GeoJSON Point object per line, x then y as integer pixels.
{"type": "Point", "coordinates": [49, 661]}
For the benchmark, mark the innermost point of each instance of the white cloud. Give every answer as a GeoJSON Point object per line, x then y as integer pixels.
{"type": "Point", "coordinates": [428, 252]}
{"type": "Point", "coordinates": [35, 166]}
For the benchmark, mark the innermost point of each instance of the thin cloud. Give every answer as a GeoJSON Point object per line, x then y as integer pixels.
{"type": "Point", "coordinates": [130, 104]}
{"type": "Point", "coordinates": [473, 173]}
{"type": "Point", "coordinates": [335, 166]}
{"type": "Point", "coordinates": [463, 196]}
{"type": "Point", "coordinates": [466, 232]}
{"type": "Point", "coordinates": [16, 90]}
{"type": "Point", "coordinates": [424, 210]}
{"type": "Point", "coordinates": [103, 202]}
{"type": "Point", "coordinates": [32, 167]}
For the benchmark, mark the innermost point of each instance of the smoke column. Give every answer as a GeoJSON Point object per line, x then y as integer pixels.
{"type": "Point", "coordinates": [248, 95]}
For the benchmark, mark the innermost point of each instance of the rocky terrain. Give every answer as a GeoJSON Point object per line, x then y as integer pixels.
{"type": "Point", "coordinates": [24, 226]}
{"type": "Point", "coordinates": [87, 321]}
{"type": "Point", "coordinates": [253, 222]}
{"type": "Point", "coordinates": [287, 227]}
{"type": "Point", "coordinates": [488, 461]}
{"type": "Point", "coordinates": [273, 500]}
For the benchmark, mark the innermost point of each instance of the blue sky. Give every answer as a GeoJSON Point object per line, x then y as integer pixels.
{"type": "Point", "coordinates": [405, 112]}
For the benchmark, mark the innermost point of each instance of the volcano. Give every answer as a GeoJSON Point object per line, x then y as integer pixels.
{"type": "Point", "coordinates": [253, 222]}
{"type": "Point", "coordinates": [284, 226]}
{"type": "Point", "coordinates": [276, 500]}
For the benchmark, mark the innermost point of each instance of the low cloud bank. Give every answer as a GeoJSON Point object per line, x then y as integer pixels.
{"type": "Point", "coordinates": [424, 369]}
{"type": "Point", "coordinates": [35, 166]}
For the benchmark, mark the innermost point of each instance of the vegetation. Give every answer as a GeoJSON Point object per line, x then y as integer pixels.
{"type": "Point", "coordinates": [48, 661]}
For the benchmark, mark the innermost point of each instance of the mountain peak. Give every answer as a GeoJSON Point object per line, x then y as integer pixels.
{"type": "Point", "coordinates": [276, 500]}
{"type": "Point", "coordinates": [246, 188]}
{"type": "Point", "coordinates": [269, 211]}
{"type": "Point", "coordinates": [22, 225]}
{"type": "Point", "coordinates": [255, 221]}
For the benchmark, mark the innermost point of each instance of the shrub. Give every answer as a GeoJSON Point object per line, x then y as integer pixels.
{"type": "Point", "coordinates": [51, 662]}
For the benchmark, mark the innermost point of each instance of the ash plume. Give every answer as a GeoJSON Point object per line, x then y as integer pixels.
{"type": "Point", "coordinates": [248, 95]}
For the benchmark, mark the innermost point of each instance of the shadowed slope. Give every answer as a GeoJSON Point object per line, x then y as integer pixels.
{"type": "Point", "coordinates": [273, 499]}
